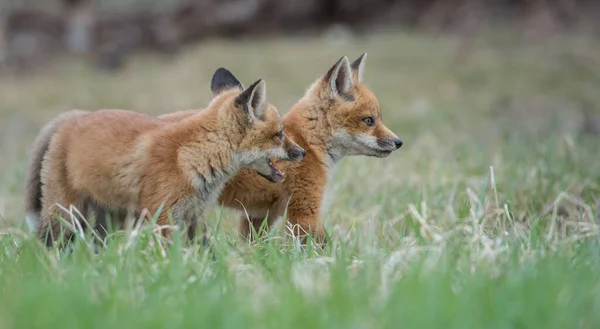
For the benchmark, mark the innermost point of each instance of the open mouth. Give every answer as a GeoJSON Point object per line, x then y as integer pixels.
{"type": "Point", "coordinates": [275, 175]}
{"type": "Point", "coordinates": [273, 168]}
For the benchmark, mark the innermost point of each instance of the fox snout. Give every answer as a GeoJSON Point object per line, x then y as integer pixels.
{"type": "Point", "coordinates": [296, 153]}
{"type": "Point", "coordinates": [390, 144]}
{"type": "Point", "coordinates": [293, 151]}
{"type": "Point", "coordinates": [383, 146]}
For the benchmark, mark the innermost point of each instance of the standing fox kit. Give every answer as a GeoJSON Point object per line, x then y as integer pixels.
{"type": "Point", "coordinates": [338, 116]}
{"type": "Point", "coordinates": [119, 160]}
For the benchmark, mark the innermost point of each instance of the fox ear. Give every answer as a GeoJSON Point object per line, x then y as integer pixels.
{"type": "Point", "coordinates": [253, 99]}
{"type": "Point", "coordinates": [339, 78]}
{"type": "Point", "coordinates": [223, 79]}
{"type": "Point", "coordinates": [358, 68]}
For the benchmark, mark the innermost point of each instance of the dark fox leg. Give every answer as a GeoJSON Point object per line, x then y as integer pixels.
{"type": "Point", "coordinates": [250, 226]}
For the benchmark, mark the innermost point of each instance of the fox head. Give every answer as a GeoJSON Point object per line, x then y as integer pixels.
{"type": "Point", "coordinates": [353, 113]}
{"type": "Point", "coordinates": [258, 126]}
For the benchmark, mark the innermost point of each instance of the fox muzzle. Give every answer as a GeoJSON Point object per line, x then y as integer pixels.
{"type": "Point", "coordinates": [296, 154]}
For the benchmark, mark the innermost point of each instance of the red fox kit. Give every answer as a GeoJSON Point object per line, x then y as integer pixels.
{"type": "Point", "coordinates": [338, 116]}
{"type": "Point", "coordinates": [119, 160]}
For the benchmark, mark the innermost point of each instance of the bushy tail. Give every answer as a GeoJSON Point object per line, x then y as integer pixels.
{"type": "Point", "coordinates": [33, 183]}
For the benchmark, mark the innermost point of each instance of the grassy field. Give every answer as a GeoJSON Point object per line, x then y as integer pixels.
{"type": "Point", "coordinates": [487, 217]}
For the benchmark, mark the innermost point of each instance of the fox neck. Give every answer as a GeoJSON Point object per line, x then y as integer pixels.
{"type": "Point", "coordinates": [308, 122]}
{"type": "Point", "coordinates": [207, 166]}
{"type": "Point", "coordinates": [336, 150]}
{"type": "Point", "coordinates": [204, 154]}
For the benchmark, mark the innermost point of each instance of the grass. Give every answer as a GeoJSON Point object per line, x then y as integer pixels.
{"type": "Point", "coordinates": [486, 218]}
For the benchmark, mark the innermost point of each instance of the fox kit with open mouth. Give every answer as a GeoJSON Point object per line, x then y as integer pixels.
{"type": "Point", "coordinates": [124, 161]}
{"type": "Point", "coordinates": [338, 116]}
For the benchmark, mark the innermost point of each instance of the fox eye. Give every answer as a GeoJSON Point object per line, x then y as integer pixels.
{"type": "Point", "coordinates": [279, 134]}
{"type": "Point", "coordinates": [369, 121]}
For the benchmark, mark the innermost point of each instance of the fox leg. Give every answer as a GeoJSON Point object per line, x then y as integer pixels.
{"type": "Point", "coordinates": [191, 218]}
{"type": "Point", "coordinates": [164, 223]}
{"type": "Point", "coordinates": [191, 226]}
{"type": "Point", "coordinates": [301, 227]}
{"type": "Point", "coordinates": [50, 227]}
{"type": "Point", "coordinates": [250, 225]}
{"type": "Point", "coordinates": [304, 219]}
{"type": "Point", "coordinates": [101, 223]}
{"type": "Point", "coordinates": [108, 219]}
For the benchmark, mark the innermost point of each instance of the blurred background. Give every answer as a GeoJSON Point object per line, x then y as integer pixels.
{"type": "Point", "coordinates": [465, 83]}
{"type": "Point", "coordinates": [33, 32]}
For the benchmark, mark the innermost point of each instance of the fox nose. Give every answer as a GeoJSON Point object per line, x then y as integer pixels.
{"type": "Point", "coordinates": [296, 154]}
{"type": "Point", "coordinates": [398, 143]}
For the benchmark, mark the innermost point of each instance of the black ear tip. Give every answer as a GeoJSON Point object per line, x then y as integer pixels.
{"type": "Point", "coordinates": [337, 63]}
{"type": "Point", "coordinates": [222, 72]}
{"type": "Point", "coordinates": [255, 84]}
{"type": "Point", "coordinates": [223, 79]}
{"type": "Point", "coordinates": [359, 60]}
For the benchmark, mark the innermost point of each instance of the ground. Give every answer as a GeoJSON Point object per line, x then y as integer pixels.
{"type": "Point", "coordinates": [487, 217]}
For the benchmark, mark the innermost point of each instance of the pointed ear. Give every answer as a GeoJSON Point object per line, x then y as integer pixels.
{"type": "Point", "coordinates": [222, 80]}
{"type": "Point", "coordinates": [253, 99]}
{"type": "Point", "coordinates": [339, 79]}
{"type": "Point", "coordinates": [358, 68]}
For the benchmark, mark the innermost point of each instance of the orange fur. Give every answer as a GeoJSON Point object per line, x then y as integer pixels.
{"type": "Point", "coordinates": [326, 122]}
{"type": "Point", "coordinates": [329, 122]}
{"type": "Point", "coordinates": [118, 160]}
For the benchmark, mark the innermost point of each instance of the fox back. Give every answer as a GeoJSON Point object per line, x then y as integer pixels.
{"type": "Point", "coordinates": [116, 159]}
{"type": "Point", "coordinates": [338, 116]}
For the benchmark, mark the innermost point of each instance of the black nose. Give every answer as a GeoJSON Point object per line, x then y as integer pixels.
{"type": "Point", "coordinates": [303, 152]}
{"type": "Point", "coordinates": [398, 143]}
